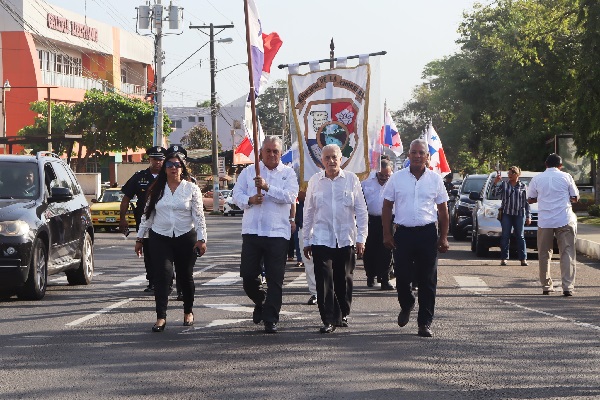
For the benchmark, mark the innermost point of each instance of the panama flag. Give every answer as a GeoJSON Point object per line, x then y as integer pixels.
{"type": "Point", "coordinates": [263, 49]}
{"type": "Point", "coordinates": [437, 162]}
{"type": "Point", "coordinates": [242, 153]}
{"type": "Point", "coordinates": [391, 135]}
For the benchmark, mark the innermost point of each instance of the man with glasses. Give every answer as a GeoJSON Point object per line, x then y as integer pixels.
{"type": "Point", "coordinates": [138, 185]}
{"type": "Point", "coordinates": [267, 200]}
{"type": "Point", "coordinates": [377, 259]}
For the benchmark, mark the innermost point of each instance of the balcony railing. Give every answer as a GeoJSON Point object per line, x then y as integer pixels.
{"type": "Point", "coordinates": [70, 81]}
{"type": "Point", "coordinates": [130, 88]}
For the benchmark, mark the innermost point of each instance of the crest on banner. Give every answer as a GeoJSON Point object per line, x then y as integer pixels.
{"type": "Point", "coordinates": [331, 106]}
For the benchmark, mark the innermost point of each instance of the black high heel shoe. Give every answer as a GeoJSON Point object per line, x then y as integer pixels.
{"type": "Point", "coordinates": [188, 323]}
{"type": "Point", "coordinates": [159, 328]}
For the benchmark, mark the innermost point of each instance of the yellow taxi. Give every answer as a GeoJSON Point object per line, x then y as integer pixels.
{"type": "Point", "coordinates": [105, 210]}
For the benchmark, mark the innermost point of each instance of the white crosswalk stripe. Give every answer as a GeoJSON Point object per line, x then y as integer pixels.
{"type": "Point", "coordinates": [472, 283]}
{"type": "Point", "coordinates": [300, 281]}
{"type": "Point", "coordinates": [228, 278]}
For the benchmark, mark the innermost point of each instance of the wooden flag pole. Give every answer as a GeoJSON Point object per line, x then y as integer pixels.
{"type": "Point", "coordinates": [252, 94]}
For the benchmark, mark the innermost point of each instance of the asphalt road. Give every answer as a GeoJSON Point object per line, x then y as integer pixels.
{"type": "Point", "coordinates": [495, 336]}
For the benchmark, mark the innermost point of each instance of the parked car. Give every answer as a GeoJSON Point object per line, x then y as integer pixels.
{"type": "Point", "coordinates": [461, 214]}
{"type": "Point", "coordinates": [106, 210]}
{"type": "Point", "coordinates": [45, 225]}
{"type": "Point", "coordinates": [207, 198]}
{"type": "Point", "coordinates": [230, 208]}
{"type": "Point", "coordinates": [487, 230]}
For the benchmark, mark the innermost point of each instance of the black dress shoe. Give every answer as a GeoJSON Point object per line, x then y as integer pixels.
{"type": "Point", "coordinates": [386, 285]}
{"type": "Point", "coordinates": [343, 324]}
{"type": "Point", "coordinates": [312, 300]}
{"type": "Point", "coordinates": [270, 327]}
{"type": "Point", "coordinates": [404, 317]}
{"type": "Point", "coordinates": [567, 293]}
{"type": "Point", "coordinates": [547, 292]}
{"type": "Point", "coordinates": [149, 288]}
{"type": "Point", "coordinates": [370, 282]}
{"type": "Point", "coordinates": [327, 328]}
{"type": "Point", "coordinates": [257, 314]}
{"type": "Point", "coordinates": [179, 296]}
{"type": "Point", "coordinates": [425, 331]}
{"type": "Point", "coordinates": [159, 328]}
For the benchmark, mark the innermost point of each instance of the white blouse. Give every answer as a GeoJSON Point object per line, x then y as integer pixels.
{"type": "Point", "coordinates": [176, 213]}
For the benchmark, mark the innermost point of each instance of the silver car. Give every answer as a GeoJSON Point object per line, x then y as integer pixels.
{"type": "Point", "coordinates": [487, 230]}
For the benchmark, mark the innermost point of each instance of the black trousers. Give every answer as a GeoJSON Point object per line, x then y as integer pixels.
{"type": "Point", "coordinates": [377, 258]}
{"type": "Point", "coordinates": [415, 258]}
{"type": "Point", "coordinates": [333, 274]}
{"type": "Point", "coordinates": [273, 250]}
{"type": "Point", "coordinates": [164, 252]}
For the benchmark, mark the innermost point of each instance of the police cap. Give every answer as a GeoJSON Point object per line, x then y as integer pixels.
{"type": "Point", "coordinates": [177, 148]}
{"type": "Point", "coordinates": [156, 152]}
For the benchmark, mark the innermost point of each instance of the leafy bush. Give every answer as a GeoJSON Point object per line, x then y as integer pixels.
{"type": "Point", "coordinates": [594, 210]}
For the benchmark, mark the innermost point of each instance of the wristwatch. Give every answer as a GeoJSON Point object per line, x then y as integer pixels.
{"type": "Point", "coordinates": [292, 219]}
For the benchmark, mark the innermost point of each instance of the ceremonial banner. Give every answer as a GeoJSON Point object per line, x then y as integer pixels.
{"type": "Point", "coordinates": [331, 106]}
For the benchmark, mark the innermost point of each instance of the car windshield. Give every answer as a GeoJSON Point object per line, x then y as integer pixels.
{"type": "Point", "coordinates": [472, 185]}
{"type": "Point", "coordinates": [112, 195]}
{"type": "Point", "coordinates": [525, 180]}
{"type": "Point", "coordinates": [19, 180]}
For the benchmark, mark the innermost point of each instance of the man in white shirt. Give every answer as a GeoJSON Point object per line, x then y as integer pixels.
{"type": "Point", "coordinates": [554, 191]}
{"type": "Point", "coordinates": [335, 219]}
{"type": "Point", "coordinates": [266, 229]}
{"type": "Point", "coordinates": [419, 197]}
{"type": "Point", "coordinates": [377, 259]}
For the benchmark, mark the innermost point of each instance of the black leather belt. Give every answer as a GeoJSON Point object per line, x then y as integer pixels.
{"type": "Point", "coordinates": [416, 228]}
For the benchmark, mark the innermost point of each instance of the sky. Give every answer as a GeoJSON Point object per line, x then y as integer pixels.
{"type": "Point", "coordinates": [413, 32]}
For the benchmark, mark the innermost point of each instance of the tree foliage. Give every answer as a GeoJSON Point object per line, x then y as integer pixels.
{"type": "Point", "coordinates": [62, 121]}
{"type": "Point", "coordinates": [267, 108]}
{"type": "Point", "coordinates": [199, 137]}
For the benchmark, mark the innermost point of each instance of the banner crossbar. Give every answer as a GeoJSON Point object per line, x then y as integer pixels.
{"type": "Point", "coordinates": [379, 53]}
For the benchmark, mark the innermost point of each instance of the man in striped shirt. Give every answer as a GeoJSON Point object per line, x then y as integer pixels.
{"type": "Point", "coordinates": [515, 212]}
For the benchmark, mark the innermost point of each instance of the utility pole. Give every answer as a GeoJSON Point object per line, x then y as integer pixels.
{"type": "Point", "coordinates": [157, 16]}
{"type": "Point", "coordinates": [213, 109]}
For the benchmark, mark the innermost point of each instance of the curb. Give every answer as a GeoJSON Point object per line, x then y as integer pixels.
{"type": "Point", "coordinates": [589, 248]}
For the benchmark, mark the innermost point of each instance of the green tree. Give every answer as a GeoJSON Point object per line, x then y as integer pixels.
{"type": "Point", "coordinates": [267, 108]}
{"type": "Point", "coordinates": [62, 119]}
{"type": "Point", "coordinates": [199, 137]}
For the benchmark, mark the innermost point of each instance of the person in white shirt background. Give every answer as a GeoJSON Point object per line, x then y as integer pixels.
{"type": "Point", "coordinates": [377, 259]}
{"type": "Point", "coordinates": [335, 220]}
{"type": "Point", "coordinates": [174, 223]}
{"type": "Point", "coordinates": [554, 191]}
{"type": "Point", "coordinates": [417, 197]}
{"type": "Point", "coordinates": [267, 200]}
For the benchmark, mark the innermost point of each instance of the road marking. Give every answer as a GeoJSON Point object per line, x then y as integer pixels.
{"type": "Point", "coordinates": [63, 279]}
{"type": "Point", "coordinates": [135, 281]}
{"type": "Point", "coordinates": [228, 278]}
{"type": "Point", "coordinates": [300, 281]}
{"type": "Point", "coordinates": [240, 308]}
{"type": "Point", "coordinates": [103, 311]}
{"type": "Point", "coordinates": [471, 283]}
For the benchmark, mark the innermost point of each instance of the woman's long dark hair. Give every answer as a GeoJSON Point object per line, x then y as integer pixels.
{"type": "Point", "coordinates": [157, 189]}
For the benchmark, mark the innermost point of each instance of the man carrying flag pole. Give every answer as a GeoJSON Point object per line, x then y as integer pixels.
{"type": "Point", "coordinates": [266, 194]}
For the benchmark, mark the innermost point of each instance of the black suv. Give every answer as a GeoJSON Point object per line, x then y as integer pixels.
{"type": "Point", "coordinates": [461, 221]}
{"type": "Point", "coordinates": [45, 225]}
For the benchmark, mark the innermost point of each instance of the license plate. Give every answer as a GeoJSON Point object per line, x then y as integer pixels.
{"type": "Point", "coordinates": [111, 219]}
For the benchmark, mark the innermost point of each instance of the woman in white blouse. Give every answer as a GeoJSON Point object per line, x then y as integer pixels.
{"type": "Point", "coordinates": [174, 222]}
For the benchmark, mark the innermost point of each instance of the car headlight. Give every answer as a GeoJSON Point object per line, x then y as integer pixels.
{"type": "Point", "coordinates": [490, 212]}
{"type": "Point", "coordinates": [14, 228]}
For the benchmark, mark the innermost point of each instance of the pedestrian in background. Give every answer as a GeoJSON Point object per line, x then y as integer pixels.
{"type": "Point", "coordinates": [309, 267]}
{"type": "Point", "coordinates": [335, 220]}
{"type": "Point", "coordinates": [554, 191]}
{"type": "Point", "coordinates": [266, 199]}
{"type": "Point", "coordinates": [173, 221]}
{"type": "Point", "coordinates": [377, 259]}
{"type": "Point", "coordinates": [418, 197]}
{"type": "Point", "coordinates": [515, 212]}
{"type": "Point", "coordinates": [138, 186]}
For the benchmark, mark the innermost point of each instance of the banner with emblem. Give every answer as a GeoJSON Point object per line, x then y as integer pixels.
{"type": "Point", "coordinates": [331, 106]}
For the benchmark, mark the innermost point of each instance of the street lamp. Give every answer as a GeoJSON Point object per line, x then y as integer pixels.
{"type": "Point", "coordinates": [5, 88]}
{"type": "Point", "coordinates": [94, 129]}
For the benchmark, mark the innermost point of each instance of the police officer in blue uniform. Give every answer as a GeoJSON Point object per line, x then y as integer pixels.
{"type": "Point", "coordinates": [138, 185]}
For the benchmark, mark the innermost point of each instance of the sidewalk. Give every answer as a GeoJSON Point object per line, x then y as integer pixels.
{"type": "Point", "coordinates": [588, 240]}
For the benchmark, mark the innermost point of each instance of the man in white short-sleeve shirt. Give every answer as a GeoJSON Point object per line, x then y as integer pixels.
{"type": "Point", "coordinates": [417, 196]}
{"type": "Point", "coordinates": [554, 191]}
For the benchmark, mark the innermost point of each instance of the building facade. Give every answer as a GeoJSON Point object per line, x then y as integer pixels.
{"type": "Point", "coordinates": [43, 45]}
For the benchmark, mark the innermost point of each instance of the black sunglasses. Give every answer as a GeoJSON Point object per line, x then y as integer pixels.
{"type": "Point", "coordinates": [173, 164]}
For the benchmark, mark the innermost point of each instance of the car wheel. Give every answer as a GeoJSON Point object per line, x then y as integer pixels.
{"type": "Point", "coordinates": [35, 287]}
{"type": "Point", "coordinates": [481, 250]}
{"type": "Point", "coordinates": [83, 275]}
